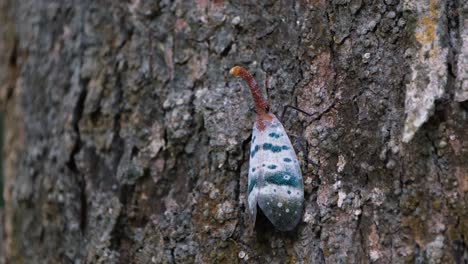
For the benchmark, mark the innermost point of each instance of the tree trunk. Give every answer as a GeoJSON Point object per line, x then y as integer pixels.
{"type": "Point", "coordinates": [126, 141]}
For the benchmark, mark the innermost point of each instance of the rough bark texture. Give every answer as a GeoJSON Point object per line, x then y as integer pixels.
{"type": "Point", "coordinates": [127, 142]}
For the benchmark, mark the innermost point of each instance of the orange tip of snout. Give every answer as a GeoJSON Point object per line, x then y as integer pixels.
{"type": "Point", "coordinates": [235, 70]}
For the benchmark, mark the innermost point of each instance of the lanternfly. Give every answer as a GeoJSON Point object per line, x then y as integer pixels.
{"type": "Point", "coordinates": [275, 178]}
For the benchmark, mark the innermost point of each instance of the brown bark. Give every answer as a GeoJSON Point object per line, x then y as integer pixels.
{"type": "Point", "coordinates": [126, 141]}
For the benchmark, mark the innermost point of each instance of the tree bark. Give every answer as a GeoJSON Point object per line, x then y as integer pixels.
{"type": "Point", "coordinates": [126, 141]}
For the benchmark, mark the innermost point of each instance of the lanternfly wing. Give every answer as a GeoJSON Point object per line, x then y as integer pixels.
{"type": "Point", "coordinates": [275, 178]}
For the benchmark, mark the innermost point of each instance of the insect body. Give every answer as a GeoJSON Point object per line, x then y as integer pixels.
{"type": "Point", "coordinates": [275, 178]}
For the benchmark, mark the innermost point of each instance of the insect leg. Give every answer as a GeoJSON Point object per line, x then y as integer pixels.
{"type": "Point", "coordinates": [316, 115]}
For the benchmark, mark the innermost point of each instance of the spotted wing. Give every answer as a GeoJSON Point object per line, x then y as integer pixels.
{"type": "Point", "coordinates": [275, 178]}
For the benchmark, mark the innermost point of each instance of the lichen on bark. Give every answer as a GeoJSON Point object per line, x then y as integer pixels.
{"type": "Point", "coordinates": [127, 142]}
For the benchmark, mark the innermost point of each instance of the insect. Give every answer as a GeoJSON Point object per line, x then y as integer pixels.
{"type": "Point", "coordinates": [275, 180]}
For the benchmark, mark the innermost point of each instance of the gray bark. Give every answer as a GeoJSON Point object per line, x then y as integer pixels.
{"type": "Point", "coordinates": [127, 142]}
